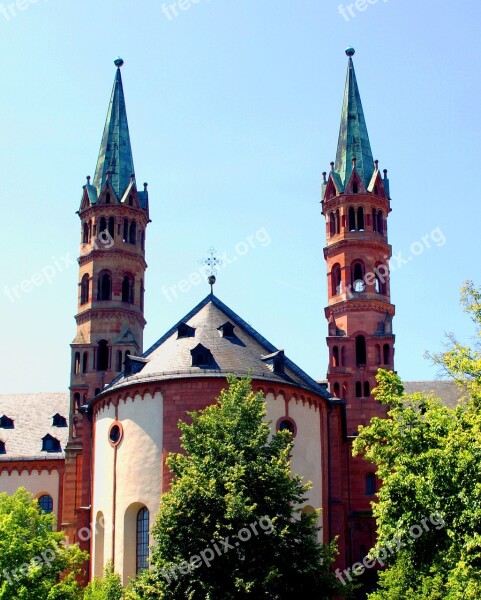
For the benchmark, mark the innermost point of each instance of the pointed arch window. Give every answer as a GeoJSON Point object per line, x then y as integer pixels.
{"type": "Point", "coordinates": [337, 390]}
{"type": "Point", "coordinates": [332, 224]}
{"type": "Point", "coordinates": [360, 350]}
{"type": "Point", "coordinates": [85, 362]}
{"type": "Point", "coordinates": [107, 198]}
{"type": "Point", "coordinates": [103, 355]}
{"type": "Point", "coordinates": [357, 273]}
{"type": "Point", "coordinates": [360, 218]}
{"type": "Point", "coordinates": [142, 539]}
{"type": "Point", "coordinates": [133, 233]}
{"type": "Point", "coordinates": [112, 227]}
{"type": "Point", "coordinates": [84, 289]}
{"type": "Point", "coordinates": [355, 187]}
{"type": "Point", "coordinates": [374, 220]}
{"type": "Point", "coordinates": [103, 224]}
{"type": "Point", "coordinates": [76, 363]}
{"type": "Point", "coordinates": [335, 356]}
{"type": "Point", "coordinates": [85, 236]}
{"type": "Point", "coordinates": [104, 290]}
{"type": "Point", "coordinates": [380, 223]}
{"type": "Point", "coordinates": [352, 218]}
{"type": "Point", "coordinates": [336, 282]}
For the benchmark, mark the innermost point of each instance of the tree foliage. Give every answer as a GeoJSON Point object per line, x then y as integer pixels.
{"type": "Point", "coordinates": [231, 526]}
{"type": "Point", "coordinates": [429, 459]}
{"type": "Point", "coordinates": [33, 555]}
{"type": "Point", "coordinates": [107, 588]}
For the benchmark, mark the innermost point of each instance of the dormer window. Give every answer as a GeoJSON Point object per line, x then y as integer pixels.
{"type": "Point", "coordinates": [50, 444]}
{"type": "Point", "coordinates": [202, 357]}
{"type": "Point", "coordinates": [3, 450]}
{"type": "Point", "coordinates": [134, 364]}
{"type": "Point", "coordinates": [6, 423]}
{"type": "Point", "coordinates": [227, 330]}
{"type": "Point", "coordinates": [59, 421]}
{"type": "Point", "coordinates": [275, 362]}
{"type": "Point", "coordinates": [185, 331]}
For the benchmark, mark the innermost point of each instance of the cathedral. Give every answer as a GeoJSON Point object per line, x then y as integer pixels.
{"type": "Point", "coordinates": [96, 456]}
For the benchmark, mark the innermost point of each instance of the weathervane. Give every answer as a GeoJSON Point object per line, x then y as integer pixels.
{"type": "Point", "coordinates": [211, 263]}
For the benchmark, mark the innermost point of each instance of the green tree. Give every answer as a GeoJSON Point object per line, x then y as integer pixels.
{"type": "Point", "coordinates": [33, 555]}
{"type": "Point", "coordinates": [428, 456]}
{"type": "Point", "coordinates": [107, 588]}
{"type": "Point", "coordinates": [231, 526]}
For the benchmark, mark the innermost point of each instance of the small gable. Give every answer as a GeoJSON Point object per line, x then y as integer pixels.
{"type": "Point", "coordinates": [275, 362]}
{"type": "Point", "coordinates": [202, 357]}
{"type": "Point", "coordinates": [226, 330]}
{"type": "Point", "coordinates": [355, 184]}
{"type": "Point", "coordinates": [6, 422]}
{"type": "Point", "coordinates": [50, 444]}
{"type": "Point", "coordinates": [59, 421]}
{"type": "Point", "coordinates": [185, 331]}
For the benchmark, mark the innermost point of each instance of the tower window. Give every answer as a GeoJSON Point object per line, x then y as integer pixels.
{"type": "Point", "coordinates": [360, 350]}
{"type": "Point", "coordinates": [337, 390]}
{"type": "Point", "coordinates": [84, 289]}
{"type": "Point", "coordinates": [85, 362]}
{"type": "Point", "coordinates": [357, 271]}
{"type": "Point", "coordinates": [332, 224]}
{"type": "Point", "coordinates": [131, 200]}
{"type": "Point", "coordinates": [142, 293]}
{"type": "Point", "coordinates": [355, 188]}
{"type": "Point", "coordinates": [104, 291]}
{"type": "Point", "coordinates": [377, 349]}
{"type": "Point", "coordinates": [103, 224]}
{"type": "Point", "coordinates": [370, 484]}
{"type": "Point", "coordinates": [112, 227]}
{"type": "Point", "coordinates": [343, 356]}
{"type": "Point", "coordinates": [45, 504]}
{"type": "Point", "coordinates": [360, 219]}
{"type": "Point", "coordinates": [133, 233]}
{"type": "Point", "coordinates": [352, 219]}
{"type": "Point", "coordinates": [107, 198]}
{"type": "Point", "coordinates": [386, 354]}
{"type": "Point", "coordinates": [142, 240]}
{"type": "Point", "coordinates": [335, 356]}
{"type": "Point", "coordinates": [76, 363]}
{"type": "Point", "coordinates": [374, 220]}
{"type": "Point", "coordinates": [380, 223]}
{"type": "Point", "coordinates": [344, 391]}
{"type": "Point", "coordinates": [119, 361]}
{"type": "Point", "coordinates": [128, 289]}
{"type": "Point", "coordinates": [59, 421]}
{"type": "Point", "coordinates": [142, 539]}
{"type": "Point", "coordinates": [338, 221]}
{"type": "Point", "coordinates": [358, 389]}
{"type": "Point", "coordinates": [336, 282]}
{"type": "Point", "coordinates": [6, 423]}
{"type": "Point", "coordinates": [376, 190]}
{"type": "Point", "coordinates": [367, 389]}
{"type": "Point", "coordinates": [103, 355]}
{"type": "Point", "coordinates": [50, 444]}
{"type": "Point", "coordinates": [76, 401]}
{"type": "Point", "coordinates": [125, 237]}
{"type": "Point", "coordinates": [85, 236]}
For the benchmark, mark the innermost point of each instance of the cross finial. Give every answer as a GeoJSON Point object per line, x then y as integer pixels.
{"type": "Point", "coordinates": [211, 263]}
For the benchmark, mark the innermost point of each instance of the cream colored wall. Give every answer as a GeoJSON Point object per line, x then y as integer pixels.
{"type": "Point", "coordinates": [37, 484]}
{"type": "Point", "coordinates": [138, 475]}
{"type": "Point", "coordinates": [306, 454]}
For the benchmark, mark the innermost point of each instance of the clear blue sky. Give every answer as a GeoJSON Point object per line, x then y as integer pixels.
{"type": "Point", "coordinates": [234, 113]}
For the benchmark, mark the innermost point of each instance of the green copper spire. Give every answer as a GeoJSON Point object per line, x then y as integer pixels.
{"type": "Point", "coordinates": [353, 136]}
{"type": "Point", "coordinates": [115, 156]}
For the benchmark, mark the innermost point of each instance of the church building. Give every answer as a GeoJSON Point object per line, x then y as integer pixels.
{"type": "Point", "coordinates": [96, 456]}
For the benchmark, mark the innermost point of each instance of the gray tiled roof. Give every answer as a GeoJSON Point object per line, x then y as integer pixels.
{"type": "Point", "coordinates": [32, 415]}
{"type": "Point", "coordinates": [448, 391]}
{"type": "Point", "coordinates": [171, 356]}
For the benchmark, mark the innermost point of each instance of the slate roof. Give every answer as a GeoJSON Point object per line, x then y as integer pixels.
{"type": "Point", "coordinates": [33, 416]}
{"type": "Point", "coordinates": [248, 351]}
{"type": "Point", "coordinates": [447, 391]}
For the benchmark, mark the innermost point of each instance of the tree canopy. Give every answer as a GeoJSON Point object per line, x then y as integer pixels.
{"type": "Point", "coordinates": [231, 526]}
{"type": "Point", "coordinates": [428, 456]}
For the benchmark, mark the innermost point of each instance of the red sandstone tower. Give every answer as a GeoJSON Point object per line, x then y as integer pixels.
{"type": "Point", "coordinates": [356, 204]}
{"type": "Point", "coordinates": [110, 318]}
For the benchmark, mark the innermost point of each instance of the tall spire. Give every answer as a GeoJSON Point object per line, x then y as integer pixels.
{"type": "Point", "coordinates": [353, 136]}
{"type": "Point", "coordinates": [115, 156]}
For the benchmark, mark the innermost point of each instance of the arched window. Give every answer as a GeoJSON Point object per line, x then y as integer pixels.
{"type": "Point", "coordinates": [142, 292]}
{"type": "Point", "coordinates": [376, 190]}
{"type": "Point", "coordinates": [360, 219]}
{"type": "Point", "coordinates": [360, 350]}
{"type": "Point", "coordinates": [343, 356]}
{"type": "Point", "coordinates": [355, 187]}
{"type": "Point", "coordinates": [104, 289]}
{"type": "Point", "coordinates": [76, 401]}
{"type": "Point", "coordinates": [128, 289]}
{"type": "Point", "coordinates": [377, 350]}
{"type": "Point", "coordinates": [352, 219]}
{"type": "Point", "coordinates": [336, 282]}
{"type": "Point", "coordinates": [338, 221]}
{"type": "Point", "coordinates": [380, 223]}
{"type": "Point", "coordinates": [357, 274]}
{"type": "Point", "coordinates": [332, 224]}
{"type": "Point", "coordinates": [133, 233]}
{"type": "Point", "coordinates": [84, 289]}
{"type": "Point", "coordinates": [76, 363]}
{"type": "Point", "coordinates": [45, 503]}
{"type": "Point", "coordinates": [380, 285]}
{"type": "Point", "coordinates": [335, 356]}
{"type": "Point", "coordinates": [386, 354]}
{"type": "Point", "coordinates": [344, 391]}
{"type": "Point", "coordinates": [85, 362]}
{"type": "Point", "coordinates": [142, 539]}
{"type": "Point", "coordinates": [131, 200]}
{"type": "Point", "coordinates": [142, 240]}
{"type": "Point", "coordinates": [103, 356]}
{"type": "Point", "coordinates": [367, 389]}
{"type": "Point", "coordinates": [112, 227]}
{"type": "Point", "coordinates": [103, 224]}
{"type": "Point", "coordinates": [358, 389]}
{"type": "Point", "coordinates": [107, 198]}
{"type": "Point", "coordinates": [85, 236]}
{"type": "Point", "coordinates": [119, 361]}
{"type": "Point", "coordinates": [337, 390]}
{"type": "Point", "coordinates": [374, 220]}
{"type": "Point", "coordinates": [370, 484]}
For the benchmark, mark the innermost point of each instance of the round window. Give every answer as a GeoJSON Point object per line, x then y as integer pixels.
{"type": "Point", "coordinates": [287, 424]}
{"type": "Point", "coordinates": [115, 433]}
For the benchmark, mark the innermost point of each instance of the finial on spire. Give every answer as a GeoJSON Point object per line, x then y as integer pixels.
{"type": "Point", "coordinates": [211, 263]}
{"type": "Point", "coordinates": [354, 161]}
{"type": "Point", "coordinates": [88, 179]}
{"type": "Point", "coordinates": [118, 62]}
{"type": "Point", "coordinates": [324, 177]}
{"type": "Point", "coordinates": [350, 51]}
{"type": "Point", "coordinates": [376, 164]}
{"type": "Point", "coordinates": [332, 166]}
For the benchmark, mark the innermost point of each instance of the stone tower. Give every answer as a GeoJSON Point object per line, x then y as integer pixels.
{"type": "Point", "coordinates": [110, 314]}
{"type": "Point", "coordinates": [356, 204]}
